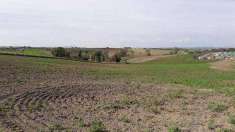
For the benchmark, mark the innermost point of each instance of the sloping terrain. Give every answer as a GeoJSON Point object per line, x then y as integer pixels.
{"type": "Point", "coordinates": [29, 51]}
{"type": "Point", "coordinates": [60, 95]}
{"type": "Point", "coordinates": [147, 58]}
{"type": "Point", "coordinates": [223, 65]}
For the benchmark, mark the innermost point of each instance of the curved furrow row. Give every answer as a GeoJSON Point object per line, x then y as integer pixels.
{"type": "Point", "coordinates": [23, 113]}
{"type": "Point", "coordinates": [40, 107]}
{"type": "Point", "coordinates": [12, 124]}
{"type": "Point", "coordinates": [20, 109]}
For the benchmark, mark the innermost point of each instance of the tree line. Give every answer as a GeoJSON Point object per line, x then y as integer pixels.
{"type": "Point", "coordinates": [92, 55]}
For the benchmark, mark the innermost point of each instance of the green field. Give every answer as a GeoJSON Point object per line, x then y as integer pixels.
{"type": "Point", "coordinates": [180, 70]}
{"type": "Point", "coordinates": [28, 51]}
{"type": "Point", "coordinates": [174, 70]}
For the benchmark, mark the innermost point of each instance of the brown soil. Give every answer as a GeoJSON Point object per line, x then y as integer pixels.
{"type": "Point", "coordinates": [147, 58]}
{"type": "Point", "coordinates": [224, 65]}
{"type": "Point", "coordinates": [64, 100]}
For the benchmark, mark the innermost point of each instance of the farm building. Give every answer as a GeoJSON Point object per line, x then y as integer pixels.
{"type": "Point", "coordinates": [217, 56]}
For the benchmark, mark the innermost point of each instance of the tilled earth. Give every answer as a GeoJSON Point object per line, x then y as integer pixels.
{"type": "Point", "coordinates": [41, 108]}
{"type": "Point", "coordinates": [36, 100]}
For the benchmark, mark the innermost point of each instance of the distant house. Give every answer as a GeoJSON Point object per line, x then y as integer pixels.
{"type": "Point", "coordinates": [217, 56]}
{"type": "Point", "coordinates": [21, 48]}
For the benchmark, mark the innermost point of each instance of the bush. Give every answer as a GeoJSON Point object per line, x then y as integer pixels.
{"type": "Point", "coordinates": [79, 54]}
{"type": "Point", "coordinates": [67, 54]}
{"type": "Point", "coordinates": [84, 55]}
{"type": "Point", "coordinates": [175, 94]}
{"type": "Point", "coordinates": [78, 121]}
{"type": "Point", "coordinates": [123, 52]}
{"type": "Point", "coordinates": [116, 58]}
{"type": "Point", "coordinates": [99, 56]}
{"type": "Point", "coordinates": [124, 60]}
{"type": "Point", "coordinates": [119, 55]}
{"type": "Point", "coordinates": [174, 51]}
{"type": "Point", "coordinates": [231, 119]}
{"type": "Point", "coordinates": [97, 126]}
{"type": "Point", "coordinates": [211, 124]}
{"type": "Point", "coordinates": [59, 52]}
{"type": "Point", "coordinates": [148, 52]}
{"type": "Point", "coordinates": [217, 107]}
{"type": "Point", "coordinates": [174, 129]}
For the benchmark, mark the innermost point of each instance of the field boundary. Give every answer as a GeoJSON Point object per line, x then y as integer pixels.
{"type": "Point", "coordinates": [12, 54]}
{"type": "Point", "coordinates": [58, 58]}
{"type": "Point", "coordinates": [144, 59]}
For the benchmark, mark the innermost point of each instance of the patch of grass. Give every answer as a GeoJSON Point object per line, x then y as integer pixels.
{"type": "Point", "coordinates": [30, 51]}
{"type": "Point", "coordinates": [6, 106]}
{"type": "Point", "coordinates": [155, 109]}
{"type": "Point", "coordinates": [211, 124]}
{"type": "Point", "coordinates": [217, 106]}
{"type": "Point", "coordinates": [35, 107]}
{"type": "Point", "coordinates": [153, 103]}
{"type": "Point", "coordinates": [79, 122]}
{"type": "Point", "coordinates": [19, 81]}
{"type": "Point", "coordinates": [55, 127]}
{"type": "Point", "coordinates": [233, 102]}
{"type": "Point", "coordinates": [175, 94]}
{"type": "Point", "coordinates": [231, 119]}
{"type": "Point", "coordinates": [3, 109]}
{"type": "Point", "coordinates": [124, 119]}
{"type": "Point", "coordinates": [173, 70]}
{"type": "Point", "coordinates": [148, 130]}
{"type": "Point", "coordinates": [97, 126]}
{"type": "Point", "coordinates": [1, 129]}
{"type": "Point", "coordinates": [115, 105]}
{"type": "Point", "coordinates": [184, 105]}
{"type": "Point", "coordinates": [174, 129]}
{"type": "Point", "coordinates": [41, 130]}
{"type": "Point", "coordinates": [125, 101]}
{"type": "Point", "coordinates": [224, 130]}
{"type": "Point", "coordinates": [159, 100]}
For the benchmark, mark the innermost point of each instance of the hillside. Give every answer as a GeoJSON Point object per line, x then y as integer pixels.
{"type": "Point", "coordinates": [173, 93]}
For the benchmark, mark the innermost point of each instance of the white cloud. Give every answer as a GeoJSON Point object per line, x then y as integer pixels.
{"type": "Point", "coordinates": [92, 23]}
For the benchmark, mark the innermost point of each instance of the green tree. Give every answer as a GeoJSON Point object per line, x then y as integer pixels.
{"type": "Point", "coordinates": [98, 56]}
{"type": "Point", "coordinates": [80, 54]}
{"type": "Point", "coordinates": [148, 51]}
{"type": "Point", "coordinates": [59, 52]}
{"type": "Point", "coordinates": [116, 57]}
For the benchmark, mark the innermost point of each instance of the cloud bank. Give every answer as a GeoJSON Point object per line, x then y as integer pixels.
{"type": "Point", "coordinates": [118, 23]}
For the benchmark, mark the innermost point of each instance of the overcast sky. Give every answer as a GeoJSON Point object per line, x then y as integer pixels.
{"type": "Point", "coordinates": [118, 23]}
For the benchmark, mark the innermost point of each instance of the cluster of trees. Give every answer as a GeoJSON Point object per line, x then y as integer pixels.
{"type": "Point", "coordinates": [94, 55]}
{"type": "Point", "coordinates": [174, 51]}
{"type": "Point", "coordinates": [148, 52]}
{"type": "Point", "coordinates": [60, 52]}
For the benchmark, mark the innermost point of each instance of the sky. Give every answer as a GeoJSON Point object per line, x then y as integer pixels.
{"type": "Point", "coordinates": [117, 23]}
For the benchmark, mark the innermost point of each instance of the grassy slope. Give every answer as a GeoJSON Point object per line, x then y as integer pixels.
{"type": "Point", "coordinates": [31, 51]}
{"type": "Point", "coordinates": [175, 70]}
{"type": "Point", "coordinates": [140, 52]}
{"type": "Point", "coordinates": [37, 52]}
